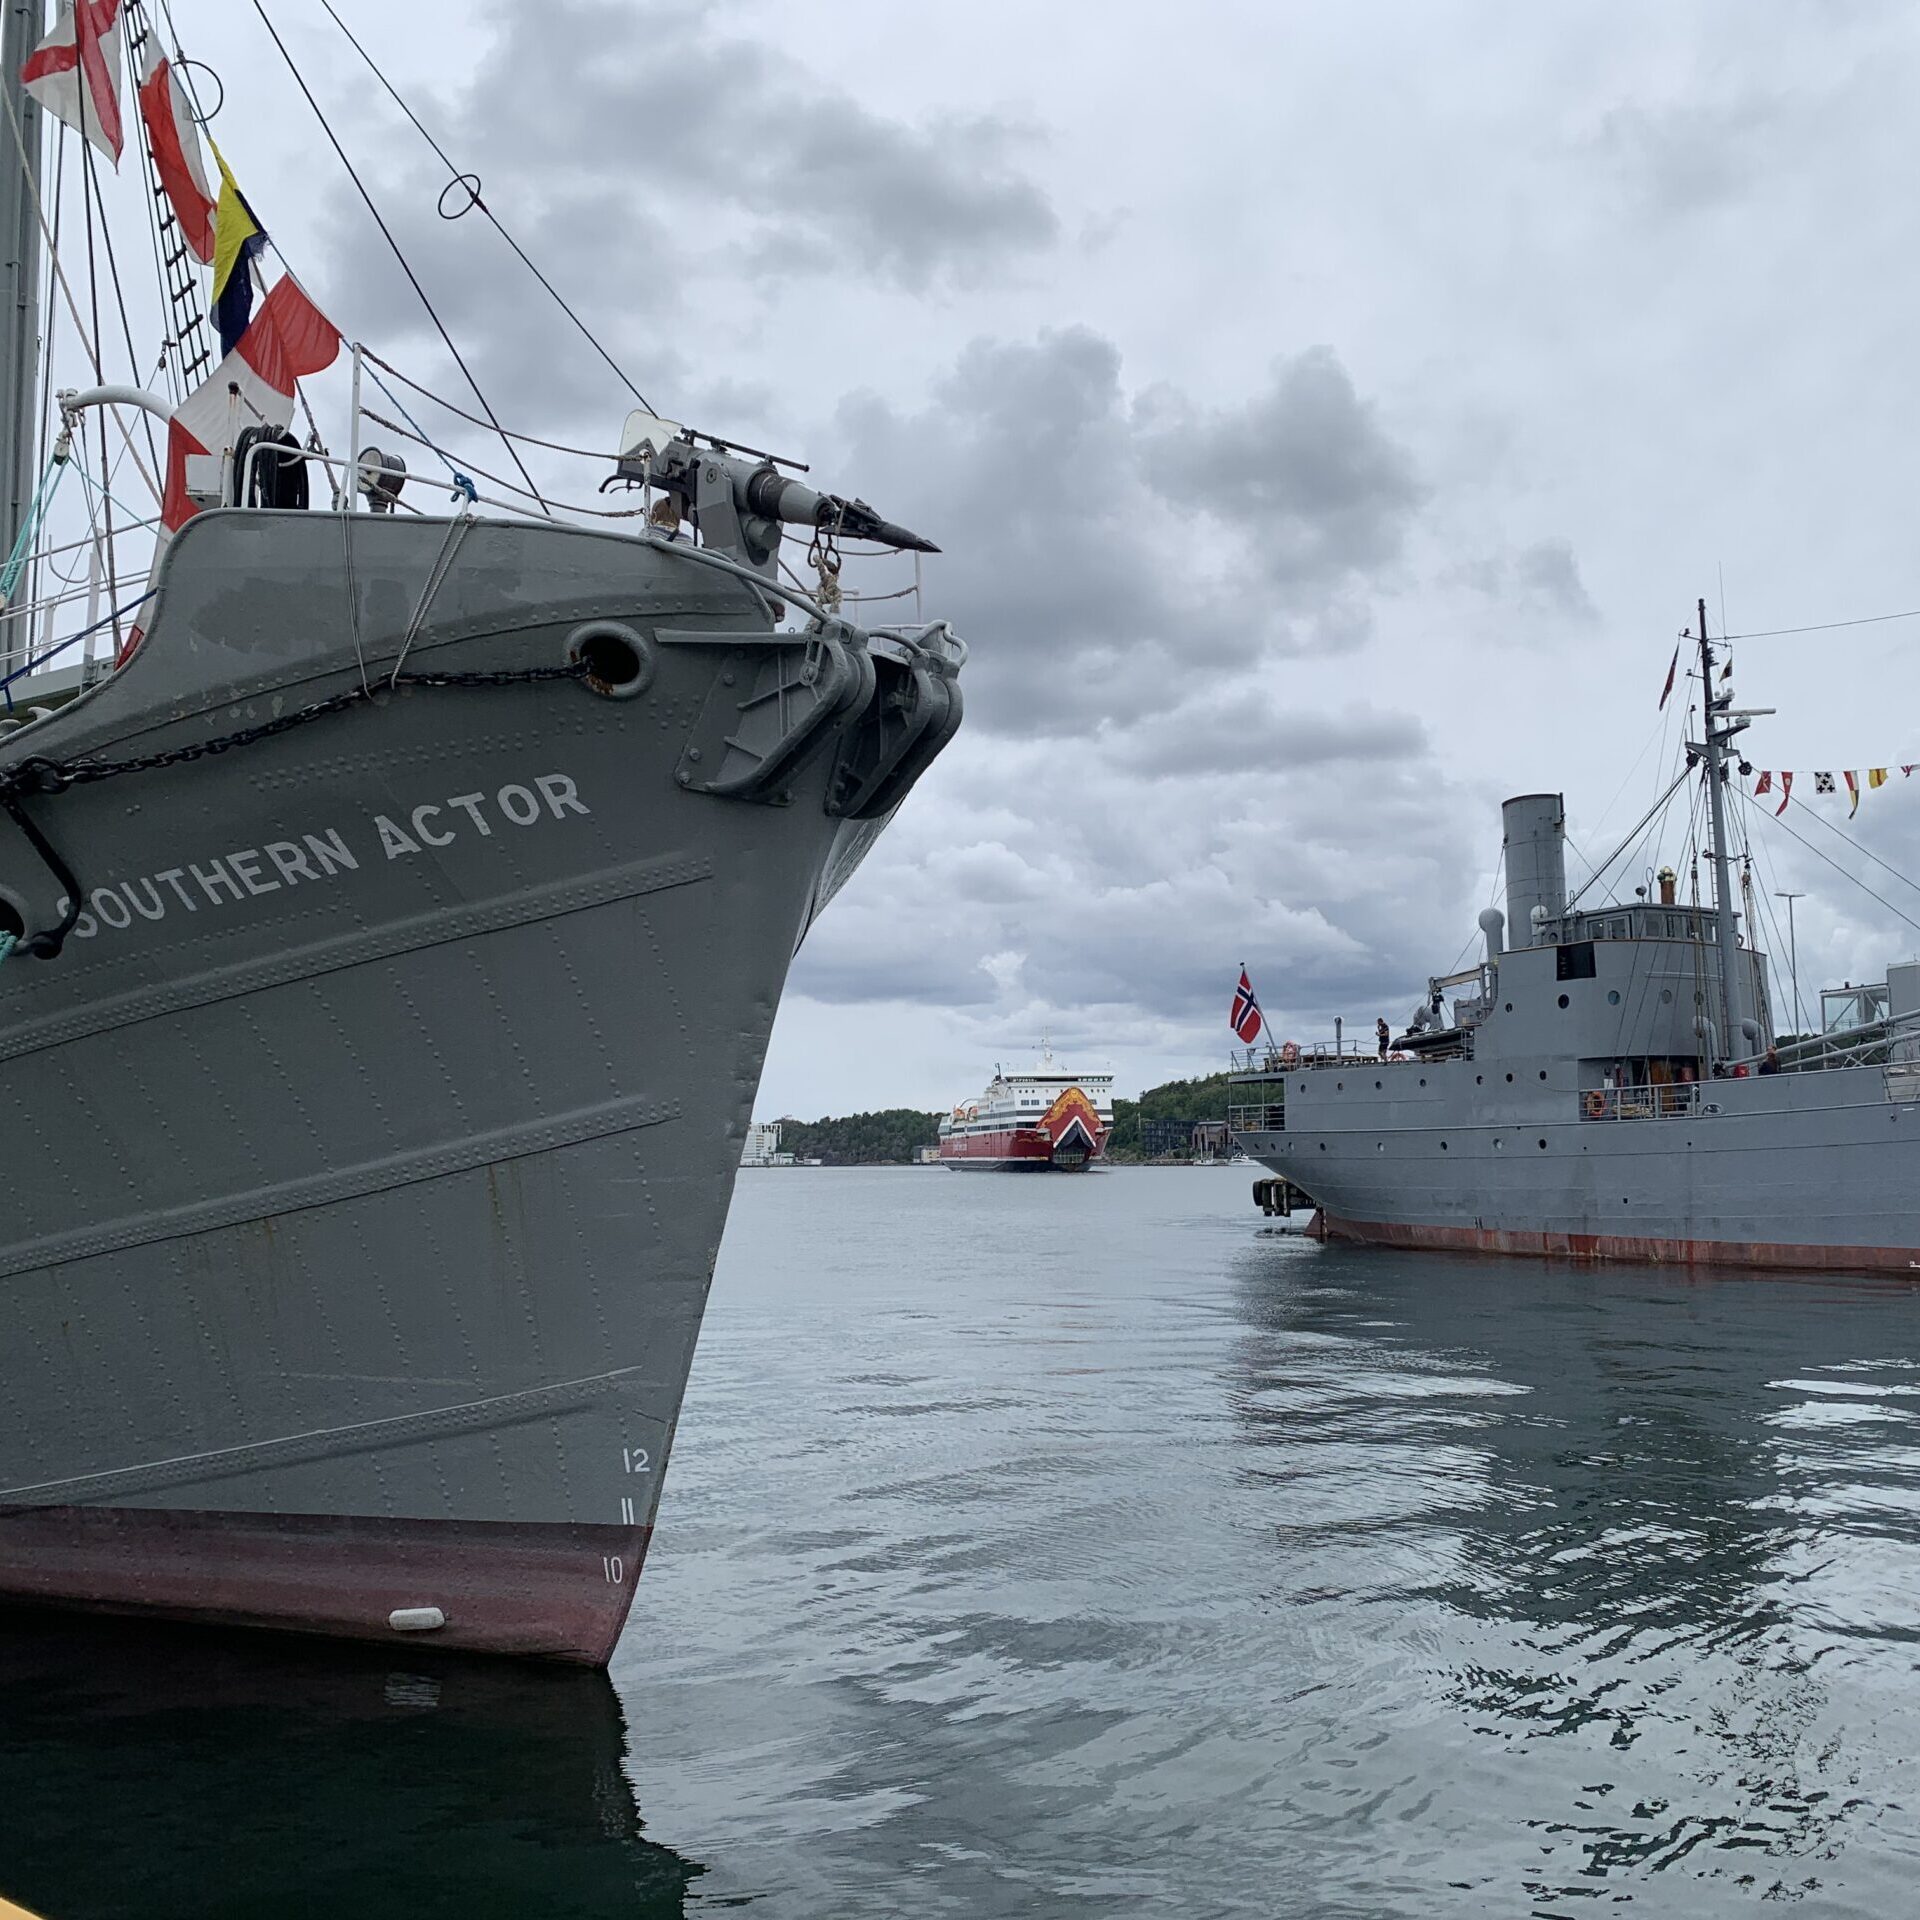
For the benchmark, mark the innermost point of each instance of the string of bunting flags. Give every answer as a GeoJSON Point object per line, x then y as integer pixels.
{"type": "Point", "coordinates": [1781, 783]}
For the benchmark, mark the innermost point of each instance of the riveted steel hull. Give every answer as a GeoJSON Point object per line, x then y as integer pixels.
{"type": "Point", "coordinates": [377, 1126]}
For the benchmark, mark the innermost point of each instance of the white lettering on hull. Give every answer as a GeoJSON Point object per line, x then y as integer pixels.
{"type": "Point", "coordinates": [244, 874]}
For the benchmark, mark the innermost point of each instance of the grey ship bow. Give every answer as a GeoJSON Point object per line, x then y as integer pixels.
{"type": "Point", "coordinates": [397, 933]}
{"type": "Point", "coordinates": [1602, 1084]}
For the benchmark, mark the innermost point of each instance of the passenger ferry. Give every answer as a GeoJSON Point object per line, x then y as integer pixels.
{"type": "Point", "coordinates": [1046, 1120]}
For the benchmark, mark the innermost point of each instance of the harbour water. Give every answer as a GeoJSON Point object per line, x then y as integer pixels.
{"type": "Point", "coordinates": [1082, 1546]}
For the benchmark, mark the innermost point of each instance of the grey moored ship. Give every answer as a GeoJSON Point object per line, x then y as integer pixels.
{"type": "Point", "coordinates": [397, 933]}
{"type": "Point", "coordinates": [1602, 1085]}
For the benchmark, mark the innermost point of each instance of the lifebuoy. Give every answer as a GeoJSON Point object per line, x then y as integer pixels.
{"type": "Point", "coordinates": [1289, 1055]}
{"type": "Point", "coordinates": [1595, 1105]}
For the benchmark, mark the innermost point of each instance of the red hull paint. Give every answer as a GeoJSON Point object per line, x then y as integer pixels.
{"type": "Point", "coordinates": [547, 1592]}
{"type": "Point", "coordinates": [1017, 1149]}
{"type": "Point", "coordinates": [1645, 1250]}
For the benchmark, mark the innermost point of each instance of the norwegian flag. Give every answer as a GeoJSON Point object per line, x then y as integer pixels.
{"type": "Point", "coordinates": [1246, 1019]}
{"type": "Point", "coordinates": [75, 72]}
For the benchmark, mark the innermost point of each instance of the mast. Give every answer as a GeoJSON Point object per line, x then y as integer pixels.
{"type": "Point", "coordinates": [1732, 998]}
{"type": "Point", "coordinates": [19, 274]}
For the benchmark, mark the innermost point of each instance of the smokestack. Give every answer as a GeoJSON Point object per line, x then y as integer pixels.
{"type": "Point", "coordinates": [1667, 878]}
{"type": "Point", "coordinates": [1534, 834]}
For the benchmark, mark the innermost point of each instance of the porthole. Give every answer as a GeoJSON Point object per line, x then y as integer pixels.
{"type": "Point", "coordinates": [1666, 996]}
{"type": "Point", "coordinates": [1543, 1073]}
{"type": "Point", "coordinates": [1323, 1146]}
{"type": "Point", "coordinates": [1499, 1145]}
{"type": "Point", "coordinates": [1543, 1146]}
{"type": "Point", "coordinates": [1479, 1079]}
{"type": "Point", "coordinates": [1423, 1081]}
{"type": "Point", "coordinates": [1339, 1086]}
{"type": "Point", "coordinates": [1509, 1006]}
{"type": "Point", "coordinates": [1443, 1146]}
{"type": "Point", "coordinates": [1564, 1001]}
{"type": "Point", "coordinates": [1377, 1085]}
{"type": "Point", "coordinates": [1379, 1146]}
{"type": "Point", "coordinates": [1509, 1079]}
{"type": "Point", "coordinates": [1613, 996]}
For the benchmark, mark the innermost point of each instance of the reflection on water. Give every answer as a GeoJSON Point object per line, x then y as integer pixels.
{"type": "Point", "coordinates": [1657, 1532]}
{"type": "Point", "coordinates": [1082, 1548]}
{"type": "Point", "coordinates": [166, 1772]}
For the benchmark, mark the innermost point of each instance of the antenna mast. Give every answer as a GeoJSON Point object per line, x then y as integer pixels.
{"type": "Point", "coordinates": [1732, 998]}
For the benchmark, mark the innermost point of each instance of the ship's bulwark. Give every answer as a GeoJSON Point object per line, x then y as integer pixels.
{"type": "Point", "coordinates": [376, 1129]}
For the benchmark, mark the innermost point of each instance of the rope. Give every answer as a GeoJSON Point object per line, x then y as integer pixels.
{"type": "Point", "coordinates": [386, 233]}
{"type": "Point", "coordinates": [73, 640]}
{"type": "Point", "coordinates": [461, 484]}
{"type": "Point", "coordinates": [30, 524]}
{"type": "Point", "coordinates": [436, 579]}
{"type": "Point", "coordinates": [8, 941]}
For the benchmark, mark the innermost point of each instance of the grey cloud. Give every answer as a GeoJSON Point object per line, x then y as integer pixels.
{"type": "Point", "coordinates": [1305, 468]}
{"type": "Point", "coordinates": [730, 163]}
{"type": "Point", "coordinates": [1113, 547]}
{"type": "Point", "coordinates": [1212, 733]}
{"type": "Point", "coordinates": [1694, 155]}
{"type": "Point", "coordinates": [1541, 580]}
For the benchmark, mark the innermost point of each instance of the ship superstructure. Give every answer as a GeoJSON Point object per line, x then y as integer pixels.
{"type": "Point", "coordinates": [1049, 1119]}
{"type": "Point", "coordinates": [1604, 1083]}
{"type": "Point", "coordinates": [391, 925]}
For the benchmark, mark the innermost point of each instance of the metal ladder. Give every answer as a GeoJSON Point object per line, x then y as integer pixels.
{"type": "Point", "coordinates": [188, 343]}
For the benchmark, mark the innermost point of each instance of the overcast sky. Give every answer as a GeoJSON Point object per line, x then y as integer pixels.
{"type": "Point", "coordinates": [1329, 414]}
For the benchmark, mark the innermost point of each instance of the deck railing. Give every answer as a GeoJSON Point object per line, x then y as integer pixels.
{"type": "Point", "coordinates": [1640, 1103]}
{"type": "Point", "coordinates": [1271, 1118]}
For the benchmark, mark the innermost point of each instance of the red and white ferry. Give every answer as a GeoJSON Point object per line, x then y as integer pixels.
{"type": "Point", "coordinates": [1044, 1120]}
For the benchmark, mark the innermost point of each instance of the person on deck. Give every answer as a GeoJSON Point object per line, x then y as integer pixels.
{"type": "Point", "coordinates": [1770, 1063]}
{"type": "Point", "coordinates": [1383, 1033]}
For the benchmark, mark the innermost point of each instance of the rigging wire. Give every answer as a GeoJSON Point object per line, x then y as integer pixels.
{"type": "Point", "coordinates": [1825, 626]}
{"type": "Point", "coordinates": [399, 253]}
{"type": "Point", "coordinates": [1865, 852]}
{"type": "Point", "coordinates": [87, 197]}
{"type": "Point", "coordinates": [120, 299]}
{"type": "Point", "coordinates": [1835, 864]}
{"type": "Point", "coordinates": [1632, 834]}
{"type": "Point", "coordinates": [461, 179]}
{"type": "Point", "coordinates": [52, 313]}
{"type": "Point", "coordinates": [474, 420]}
{"type": "Point", "coordinates": [60, 275]}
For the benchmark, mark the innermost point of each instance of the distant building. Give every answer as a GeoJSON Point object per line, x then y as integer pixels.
{"type": "Point", "coordinates": [763, 1147]}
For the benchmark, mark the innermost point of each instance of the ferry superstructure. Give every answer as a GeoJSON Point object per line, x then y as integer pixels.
{"type": "Point", "coordinates": [1048, 1120]}
{"type": "Point", "coordinates": [1604, 1084]}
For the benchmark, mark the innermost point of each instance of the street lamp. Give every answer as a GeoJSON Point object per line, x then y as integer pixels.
{"type": "Point", "coordinates": [1793, 957]}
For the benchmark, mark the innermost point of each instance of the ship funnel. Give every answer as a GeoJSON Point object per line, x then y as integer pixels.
{"type": "Point", "coordinates": [1667, 879]}
{"type": "Point", "coordinates": [1534, 828]}
{"type": "Point", "coordinates": [1492, 924]}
